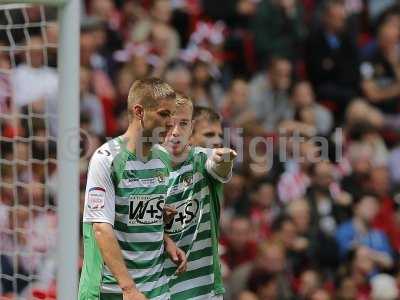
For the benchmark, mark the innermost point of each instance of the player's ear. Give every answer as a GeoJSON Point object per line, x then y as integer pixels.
{"type": "Point", "coordinates": [138, 111]}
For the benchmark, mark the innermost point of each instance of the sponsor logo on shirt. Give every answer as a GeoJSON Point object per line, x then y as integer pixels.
{"type": "Point", "coordinates": [96, 198]}
{"type": "Point", "coordinates": [147, 210]}
{"type": "Point", "coordinates": [187, 215]}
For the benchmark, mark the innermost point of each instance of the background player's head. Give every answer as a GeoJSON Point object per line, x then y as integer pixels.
{"type": "Point", "coordinates": [178, 137]}
{"type": "Point", "coordinates": [151, 103]}
{"type": "Point", "coordinates": [207, 130]}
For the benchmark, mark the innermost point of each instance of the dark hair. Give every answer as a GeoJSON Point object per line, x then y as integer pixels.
{"type": "Point", "coordinates": [327, 4]}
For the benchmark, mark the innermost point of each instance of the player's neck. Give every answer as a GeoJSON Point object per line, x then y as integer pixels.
{"type": "Point", "coordinates": [178, 159]}
{"type": "Point", "coordinates": [135, 142]}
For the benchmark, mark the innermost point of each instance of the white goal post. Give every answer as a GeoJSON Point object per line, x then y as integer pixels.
{"type": "Point", "coordinates": [67, 143]}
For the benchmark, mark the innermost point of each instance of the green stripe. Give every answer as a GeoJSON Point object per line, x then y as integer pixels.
{"type": "Point", "coordinates": [141, 246]}
{"type": "Point", "coordinates": [142, 174]}
{"type": "Point", "coordinates": [188, 274]}
{"type": "Point", "coordinates": [164, 289]}
{"type": "Point", "coordinates": [200, 254]}
{"type": "Point", "coordinates": [126, 192]}
{"type": "Point", "coordinates": [138, 229]}
{"type": "Point", "coordinates": [144, 264]}
{"type": "Point", "coordinates": [104, 296]}
{"type": "Point", "coordinates": [109, 279]}
{"type": "Point", "coordinates": [121, 209]}
{"type": "Point", "coordinates": [196, 291]}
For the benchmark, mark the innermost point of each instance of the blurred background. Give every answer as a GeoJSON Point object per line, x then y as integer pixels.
{"type": "Point", "coordinates": [301, 229]}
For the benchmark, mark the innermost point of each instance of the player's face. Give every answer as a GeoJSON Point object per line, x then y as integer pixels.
{"type": "Point", "coordinates": [207, 135]}
{"type": "Point", "coordinates": [178, 137]}
{"type": "Point", "coordinates": [157, 121]}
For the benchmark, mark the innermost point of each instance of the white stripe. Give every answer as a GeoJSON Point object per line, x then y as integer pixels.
{"type": "Point", "coordinates": [184, 169]}
{"type": "Point", "coordinates": [209, 296]}
{"type": "Point", "coordinates": [192, 265]}
{"type": "Point", "coordinates": [164, 297]}
{"type": "Point", "coordinates": [148, 286]}
{"type": "Point", "coordinates": [187, 240]}
{"type": "Point", "coordinates": [137, 273]}
{"type": "Point", "coordinates": [143, 287]}
{"type": "Point", "coordinates": [136, 237]}
{"type": "Point", "coordinates": [130, 183]}
{"type": "Point", "coordinates": [199, 263]}
{"type": "Point", "coordinates": [141, 255]}
{"type": "Point", "coordinates": [195, 282]}
{"type": "Point", "coordinates": [155, 163]}
{"type": "Point", "coordinates": [200, 245]}
{"type": "Point", "coordinates": [125, 200]}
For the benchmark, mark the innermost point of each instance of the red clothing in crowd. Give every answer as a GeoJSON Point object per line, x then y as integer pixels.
{"type": "Point", "coordinates": [386, 221]}
{"type": "Point", "coordinates": [233, 258]}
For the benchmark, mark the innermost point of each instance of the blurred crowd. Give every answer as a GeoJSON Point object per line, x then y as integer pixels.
{"type": "Point", "coordinates": [310, 93]}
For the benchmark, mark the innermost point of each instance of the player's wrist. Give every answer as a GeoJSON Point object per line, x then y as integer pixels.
{"type": "Point", "coordinates": [128, 287]}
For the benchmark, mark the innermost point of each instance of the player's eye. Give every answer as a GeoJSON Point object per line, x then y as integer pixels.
{"type": "Point", "coordinates": [164, 114]}
{"type": "Point", "coordinates": [209, 134]}
{"type": "Point", "coordinates": [184, 123]}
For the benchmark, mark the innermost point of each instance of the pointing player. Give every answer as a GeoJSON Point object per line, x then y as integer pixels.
{"type": "Point", "coordinates": [123, 229]}
{"type": "Point", "coordinates": [195, 181]}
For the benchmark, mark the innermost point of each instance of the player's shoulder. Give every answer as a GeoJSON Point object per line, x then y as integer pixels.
{"type": "Point", "coordinates": [107, 152]}
{"type": "Point", "coordinates": [202, 151]}
{"type": "Point", "coordinates": [162, 153]}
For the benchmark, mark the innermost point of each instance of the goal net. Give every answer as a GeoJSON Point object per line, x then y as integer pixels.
{"type": "Point", "coordinates": [29, 96]}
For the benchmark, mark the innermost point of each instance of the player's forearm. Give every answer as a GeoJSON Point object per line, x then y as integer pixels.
{"type": "Point", "coordinates": [221, 162]}
{"type": "Point", "coordinates": [112, 254]}
{"type": "Point", "coordinates": [223, 169]}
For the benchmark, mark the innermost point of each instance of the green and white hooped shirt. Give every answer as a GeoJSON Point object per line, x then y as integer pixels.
{"type": "Point", "coordinates": [130, 195]}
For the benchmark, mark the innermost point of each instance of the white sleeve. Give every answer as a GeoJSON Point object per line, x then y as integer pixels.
{"type": "Point", "coordinates": [100, 193]}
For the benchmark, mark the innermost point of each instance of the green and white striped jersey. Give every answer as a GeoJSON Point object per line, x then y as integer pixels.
{"type": "Point", "coordinates": [130, 195]}
{"type": "Point", "coordinates": [196, 191]}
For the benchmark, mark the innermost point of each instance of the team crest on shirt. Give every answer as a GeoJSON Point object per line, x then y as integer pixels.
{"type": "Point", "coordinates": [146, 209]}
{"type": "Point", "coordinates": [187, 215]}
{"type": "Point", "coordinates": [160, 177]}
{"type": "Point", "coordinates": [187, 179]}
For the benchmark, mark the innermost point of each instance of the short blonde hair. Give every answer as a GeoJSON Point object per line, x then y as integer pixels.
{"type": "Point", "coordinates": [182, 101]}
{"type": "Point", "coordinates": [148, 92]}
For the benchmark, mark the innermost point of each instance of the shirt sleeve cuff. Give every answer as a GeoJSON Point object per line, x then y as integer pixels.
{"type": "Point", "coordinates": [98, 220]}
{"type": "Point", "coordinates": [210, 169]}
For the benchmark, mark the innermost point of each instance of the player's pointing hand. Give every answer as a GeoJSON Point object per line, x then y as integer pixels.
{"type": "Point", "coordinates": [224, 155]}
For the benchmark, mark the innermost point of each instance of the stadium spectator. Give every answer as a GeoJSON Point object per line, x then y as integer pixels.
{"type": "Point", "coordinates": [269, 93]}
{"type": "Point", "coordinates": [329, 204]}
{"type": "Point", "coordinates": [239, 245]}
{"type": "Point", "coordinates": [379, 71]}
{"type": "Point", "coordinates": [307, 110]}
{"type": "Point", "coordinates": [331, 57]}
{"type": "Point", "coordinates": [270, 261]}
{"type": "Point", "coordinates": [359, 232]}
{"type": "Point", "coordinates": [278, 28]}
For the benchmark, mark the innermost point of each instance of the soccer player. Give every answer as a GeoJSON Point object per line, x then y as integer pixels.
{"type": "Point", "coordinates": [123, 230]}
{"type": "Point", "coordinates": [207, 130]}
{"type": "Point", "coordinates": [195, 183]}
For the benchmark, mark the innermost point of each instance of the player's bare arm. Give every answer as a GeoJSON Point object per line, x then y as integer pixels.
{"type": "Point", "coordinates": [112, 257]}
{"type": "Point", "coordinates": [176, 254]}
